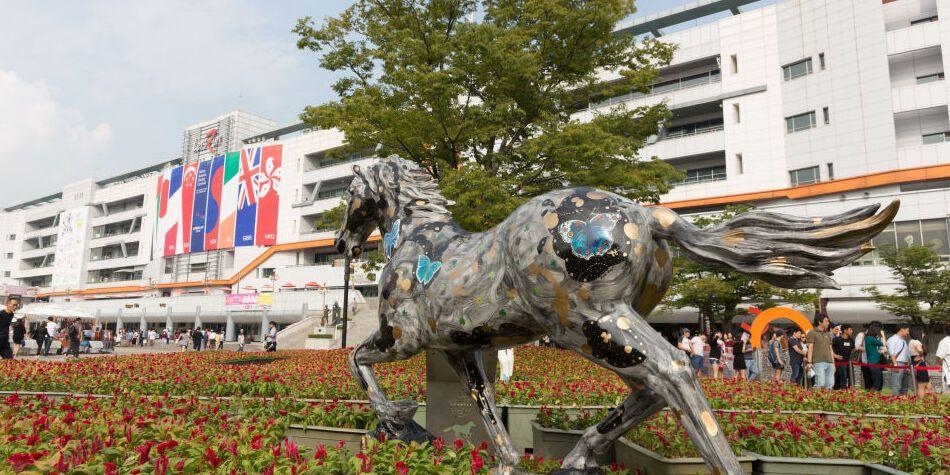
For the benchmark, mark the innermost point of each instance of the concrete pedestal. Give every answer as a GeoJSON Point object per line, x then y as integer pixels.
{"type": "Point", "coordinates": [450, 410]}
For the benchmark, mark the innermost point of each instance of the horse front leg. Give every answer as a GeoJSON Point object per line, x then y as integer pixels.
{"type": "Point", "coordinates": [471, 370]}
{"type": "Point", "coordinates": [620, 340]}
{"type": "Point", "coordinates": [395, 417]}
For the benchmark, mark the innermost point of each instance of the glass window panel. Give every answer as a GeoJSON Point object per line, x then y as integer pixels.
{"type": "Point", "coordinates": [935, 235]}
{"type": "Point", "coordinates": [908, 234]}
{"type": "Point", "coordinates": [939, 137]}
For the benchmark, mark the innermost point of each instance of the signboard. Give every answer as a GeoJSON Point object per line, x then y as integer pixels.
{"type": "Point", "coordinates": [230, 200]}
{"type": "Point", "coordinates": [248, 301]}
{"type": "Point", "coordinates": [70, 247]}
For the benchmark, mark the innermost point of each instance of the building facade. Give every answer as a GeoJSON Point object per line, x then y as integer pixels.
{"type": "Point", "coordinates": [805, 107]}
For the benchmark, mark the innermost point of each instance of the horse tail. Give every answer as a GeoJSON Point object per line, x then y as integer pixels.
{"type": "Point", "coordinates": [783, 250]}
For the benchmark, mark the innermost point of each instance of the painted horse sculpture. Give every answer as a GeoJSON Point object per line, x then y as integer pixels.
{"type": "Point", "coordinates": [580, 265]}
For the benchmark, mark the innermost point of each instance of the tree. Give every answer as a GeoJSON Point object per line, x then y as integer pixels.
{"type": "Point", "coordinates": [480, 93]}
{"type": "Point", "coordinates": [330, 219]}
{"type": "Point", "coordinates": [923, 292]}
{"type": "Point", "coordinates": [718, 294]}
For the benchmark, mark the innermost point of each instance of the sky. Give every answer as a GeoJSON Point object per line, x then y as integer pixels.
{"type": "Point", "coordinates": [97, 88]}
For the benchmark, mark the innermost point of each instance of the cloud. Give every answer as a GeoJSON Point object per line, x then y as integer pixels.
{"type": "Point", "coordinates": [45, 144]}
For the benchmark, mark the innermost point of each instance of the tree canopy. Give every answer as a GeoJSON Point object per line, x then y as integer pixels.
{"type": "Point", "coordinates": [481, 93]}
{"type": "Point", "coordinates": [923, 291]}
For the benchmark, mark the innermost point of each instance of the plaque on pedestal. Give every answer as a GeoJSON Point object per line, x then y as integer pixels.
{"type": "Point", "coordinates": [450, 410]}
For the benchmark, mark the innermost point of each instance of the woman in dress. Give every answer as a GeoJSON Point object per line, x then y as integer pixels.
{"type": "Point", "coordinates": [918, 356]}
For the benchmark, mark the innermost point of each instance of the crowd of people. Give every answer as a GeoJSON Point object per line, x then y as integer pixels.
{"type": "Point", "coordinates": [830, 356]}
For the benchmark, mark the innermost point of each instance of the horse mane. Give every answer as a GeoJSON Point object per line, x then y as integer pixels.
{"type": "Point", "coordinates": [414, 188]}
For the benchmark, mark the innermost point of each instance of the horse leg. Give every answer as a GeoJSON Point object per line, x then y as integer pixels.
{"type": "Point", "coordinates": [637, 407]}
{"type": "Point", "coordinates": [395, 417]}
{"type": "Point", "coordinates": [620, 340]}
{"type": "Point", "coordinates": [471, 370]}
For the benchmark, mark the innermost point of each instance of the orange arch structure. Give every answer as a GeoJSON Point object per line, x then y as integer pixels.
{"type": "Point", "coordinates": [763, 320]}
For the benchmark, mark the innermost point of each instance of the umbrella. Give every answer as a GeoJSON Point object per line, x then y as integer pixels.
{"type": "Point", "coordinates": [288, 285]}
{"type": "Point", "coordinates": [313, 284]}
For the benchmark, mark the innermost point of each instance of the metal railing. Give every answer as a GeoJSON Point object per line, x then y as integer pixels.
{"type": "Point", "coordinates": [661, 89]}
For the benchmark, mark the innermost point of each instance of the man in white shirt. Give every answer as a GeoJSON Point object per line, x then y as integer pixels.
{"type": "Point", "coordinates": [899, 350]}
{"type": "Point", "coordinates": [697, 346]}
{"type": "Point", "coordinates": [943, 353]}
{"type": "Point", "coordinates": [52, 329]}
{"type": "Point", "coordinates": [684, 342]}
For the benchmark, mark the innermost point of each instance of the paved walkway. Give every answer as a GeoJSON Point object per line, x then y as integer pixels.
{"type": "Point", "coordinates": [140, 350]}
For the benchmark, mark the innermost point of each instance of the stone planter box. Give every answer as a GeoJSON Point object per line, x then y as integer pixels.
{"type": "Point", "coordinates": [521, 417]}
{"type": "Point", "coordinates": [557, 443]}
{"type": "Point", "coordinates": [310, 436]}
{"type": "Point", "coordinates": [766, 465]}
{"type": "Point", "coordinates": [648, 462]}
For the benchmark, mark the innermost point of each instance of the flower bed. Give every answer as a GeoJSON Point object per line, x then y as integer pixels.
{"type": "Point", "coordinates": [914, 445]}
{"type": "Point", "coordinates": [543, 376]}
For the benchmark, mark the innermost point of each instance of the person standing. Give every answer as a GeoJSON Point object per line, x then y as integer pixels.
{"type": "Point", "coordinates": [270, 340]}
{"type": "Point", "coordinates": [715, 354]}
{"type": "Point", "coordinates": [775, 355]}
{"type": "Point", "coordinates": [943, 354]}
{"type": "Point", "coordinates": [820, 356]}
{"type": "Point", "coordinates": [918, 356]}
{"type": "Point", "coordinates": [75, 336]}
{"type": "Point", "coordinates": [19, 335]}
{"type": "Point", "coordinates": [684, 342]}
{"type": "Point", "coordinates": [859, 355]}
{"type": "Point", "coordinates": [899, 351]}
{"type": "Point", "coordinates": [506, 363]}
{"type": "Point", "coordinates": [874, 348]}
{"type": "Point", "coordinates": [697, 347]}
{"type": "Point", "coordinates": [842, 346]}
{"type": "Point", "coordinates": [39, 335]}
{"type": "Point", "coordinates": [749, 355]}
{"type": "Point", "coordinates": [796, 356]}
{"type": "Point", "coordinates": [196, 336]}
{"type": "Point", "coordinates": [220, 340]}
{"type": "Point", "coordinates": [52, 329]}
{"type": "Point", "coordinates": [738, 359]}
{"type": "Point", "coordinates": [240, 340]}
{"type": "Point", "coordinates": [184, 336]}
{"type": "Point", "coordinates": [6, 317]}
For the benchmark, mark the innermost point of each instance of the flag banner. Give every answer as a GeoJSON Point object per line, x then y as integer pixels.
{"type": "Point", "coordinates": [70, 247]}
{"type": "Point", "coordinates": [202, 181]}
{"type": "Point", "coordinates": [190, 176]}
{"type": "Point", "coordinates": [247, 197]}
{"type": "Point", "coordinates": [268, 194]}
{"type": "Point", "coordinates": [213, 213]}
{"type": "Point", "coordinates": [229, 200]}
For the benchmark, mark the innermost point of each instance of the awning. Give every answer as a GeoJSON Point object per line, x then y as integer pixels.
{"type": "Point", "coordinates": [44, 311]}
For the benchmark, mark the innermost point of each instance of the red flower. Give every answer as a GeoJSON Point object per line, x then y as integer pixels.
{"type": "Point", "coordinates": [458, 443]}
{"type": "Point", "coordinates": [110, 468]}
{"type": "Point", "coordinates": [320, 453]}
{"type": "Point", "coordinates": [401, 468]}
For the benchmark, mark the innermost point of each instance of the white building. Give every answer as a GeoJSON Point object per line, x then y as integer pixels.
{"type": "Point", "coordinates": [806, 107]}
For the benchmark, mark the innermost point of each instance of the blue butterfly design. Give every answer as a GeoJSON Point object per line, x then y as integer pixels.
{"type": "Point", "coordinates": [426, 269]}
{"type": "Point", "coordinates": [391, 238]}
{"type": "Point", "coordinates": [591, 238]}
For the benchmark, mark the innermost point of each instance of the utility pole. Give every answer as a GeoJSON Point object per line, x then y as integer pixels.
{"type": "Point", "coordinates": [346, 296]}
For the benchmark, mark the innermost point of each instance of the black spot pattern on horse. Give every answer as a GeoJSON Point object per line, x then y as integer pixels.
{"type": "Point", "coordinates": [605, 348]}
{"type": "Point", "coordinates": [385, 340]}
{"type": "Point", "coordinates": [541, 243]}
{"type": "Point", "coordinates": [586, 270]}
{"type": "Point", "coordinates": [483, 335]}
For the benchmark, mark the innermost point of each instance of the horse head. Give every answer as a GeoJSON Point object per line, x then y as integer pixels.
{"type": "Point", "coordinates": [363, 199]}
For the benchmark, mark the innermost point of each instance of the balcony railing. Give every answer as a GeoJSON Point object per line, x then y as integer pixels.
{"type": "Point", "coordinates": [690, 133]}
{"type": "Point", "coordinates": [662, 88]}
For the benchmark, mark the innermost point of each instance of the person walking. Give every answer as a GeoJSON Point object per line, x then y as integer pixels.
{"type": "Point", "coordinates": [196, 336]}
{"type": "Point", "coordinates": [6, 318]}
{"type": "Point", "coordinates": [918, 357]}
{"type": "Point", "coordinates": [39, 336]}
{"type": "Point", "coordinates": [52, 329]}
{"type": "Point", "coordinates": [797, 352]}
{"type": "Point", "coordinates": [220, 340]}
{"type": "Point", "coordinates": [716, 346]}
{"type": "Point", "coordinates": [75, 336]}
{"type": "Point", "coordinates": [874, 349]}
{"type": "Point", "coordinates": [184, 337]}
{"type": "Point", "coordinates": [270, 340]}
{"type": "Point", "coordinates": [899, 351]}
{"type": "Point", "coordinates": [738, 360]}
{"type": "Point", "coordinates": [842, 346]}
{"type": "Point", "coordinates": [820, 357]}
{"type": "Point", "coordinates": [943, 355]}
{"type": "Point", "coordinates": [19, 335]}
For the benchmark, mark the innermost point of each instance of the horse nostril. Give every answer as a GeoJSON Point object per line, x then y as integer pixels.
{"type": "Point", "coordinates": [356, 251]}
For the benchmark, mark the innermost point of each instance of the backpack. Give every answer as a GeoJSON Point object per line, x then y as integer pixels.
{"type": "Point", "coordinates": [73, 332]}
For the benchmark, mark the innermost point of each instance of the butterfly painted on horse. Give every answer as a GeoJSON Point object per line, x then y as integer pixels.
{"type": "Point", "coordinates": [591, 238]}
{"type": "Point", "coordinates": [391, 238]}
{"type": "Point", "coordinates": [426, 269]}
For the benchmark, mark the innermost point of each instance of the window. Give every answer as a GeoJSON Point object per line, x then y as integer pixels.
{"type": "Point", "coordinates": [831, 171]}
{"type": "Point", "coordinates": [908, 234]}
{"type": "Point", "coordinates": [821, 61]}
{"type": "Point", "coordinates": [326, 259]}
{"type": "Point", "coordinates": [797, 123]}
{"type": "Point", "coordinates": [169, 265]}
{"type": "Point", "coordinates": [266, 272]}
{"type": "Point", "coordinates": [796, 69]}
{"type": "Point", "coordinates": [825, 116]}
{"type": "Point", "coordinates": [6, 273]}
{"type": "Point", "coordinates": [924, 20]}
{"type": "Point", "coordinates": [804, 176]}
{"type": "Point", "coordinates": [9, 255]}
{"type": "Point", "coordinates": [703, 175]}
{"type": "Point", "coordinates": [11, 237]}
{"type": "Point", "coordinates": [739, 167]}
{"type": "Point", "coordinates": [938, 137]}
{"type": "Point", "coordinates": [934, 235]}
{"type": "Point", "coordinates": [735, 64]}
{"type": "Point", "coordinates": [930, 78]}
{"type": "Point", "coordinates": [735, 110]}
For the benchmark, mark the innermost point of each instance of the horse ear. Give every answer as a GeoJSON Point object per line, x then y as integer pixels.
{"type": "Point", "coordinates": [356, 169]}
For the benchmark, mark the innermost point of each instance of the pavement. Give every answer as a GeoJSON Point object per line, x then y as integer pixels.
{"type": "Point", "coordinates": [139, 350]}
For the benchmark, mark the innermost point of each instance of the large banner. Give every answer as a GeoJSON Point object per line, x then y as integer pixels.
{"type": "Point", "coordinates": [70, 246]}
{"type": "Point", "coordinates": [248, 301]}
{"type": "Point", "coordinates": [227, 201]}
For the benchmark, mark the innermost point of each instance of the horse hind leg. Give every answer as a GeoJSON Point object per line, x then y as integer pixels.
{"type": "Point", "coordinates": [471, 370]}
{"type": "Point", "coordinates": [395, 417]}
{"type": "Point", "coordinates": [620, 340]}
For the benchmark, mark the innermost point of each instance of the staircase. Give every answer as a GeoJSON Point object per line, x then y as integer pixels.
{"type": "Point", "coordinates": [363, 323]}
